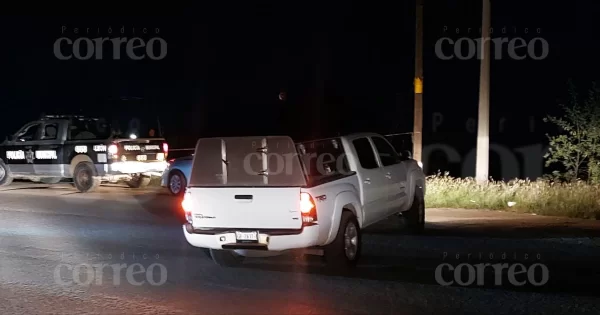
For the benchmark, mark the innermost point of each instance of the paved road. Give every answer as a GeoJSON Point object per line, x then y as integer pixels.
{"type": "Point", "coordinates": [50, 236]}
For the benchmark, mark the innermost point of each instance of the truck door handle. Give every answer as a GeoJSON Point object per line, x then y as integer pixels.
{"type": "Point", "coordinates": [243, 197]}
{"type": "Point", "coordinates": [367, 180]}
{"type": "Point", "coordinates": [388, 175]}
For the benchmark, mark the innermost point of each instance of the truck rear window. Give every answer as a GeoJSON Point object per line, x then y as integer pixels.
{"type": "Point", "coordinates": [323, 159]}
{"type": "Point", "coordinates": [246, 162]}
{"type": "Point", "coordinates": [88, 129]}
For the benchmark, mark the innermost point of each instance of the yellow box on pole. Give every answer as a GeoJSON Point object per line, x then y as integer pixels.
{"type": "Point", "coordinates": [418, 86]}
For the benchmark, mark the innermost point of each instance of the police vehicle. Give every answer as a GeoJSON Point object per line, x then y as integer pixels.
{"type": "Point", "coordinates": [80, 148]}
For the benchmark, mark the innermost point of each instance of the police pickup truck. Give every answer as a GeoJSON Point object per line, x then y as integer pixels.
{"type": "Point", "coordinates": [83, 149]}
{"type": "Point", "coordinates": [262, 196]}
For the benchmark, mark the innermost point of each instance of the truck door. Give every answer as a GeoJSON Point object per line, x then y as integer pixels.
{"type": "Point", "coordinates": [372, 181]}
{"type": "Point", "coordinates": [49, 153]}
{"type": "Point", "coordinates": [20, 151]}
{"type": "Point", "coordinates": [395, 172]}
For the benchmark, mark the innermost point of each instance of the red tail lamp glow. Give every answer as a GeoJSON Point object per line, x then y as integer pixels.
{"type": "Point", "coordinates": [186, 203]}
{"type": "Point", "coordinates": [113, 149]}
{"type": "Point", "coordinates": [306, 203]}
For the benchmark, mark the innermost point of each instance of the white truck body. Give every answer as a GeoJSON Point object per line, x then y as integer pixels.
{"type": "Point", "coordinates": [264, 195]}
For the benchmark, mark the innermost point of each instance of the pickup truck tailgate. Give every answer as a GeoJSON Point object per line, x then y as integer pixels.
{"type": "Point", "coordinates": [233, 207]}
{"type": "Point", "coordinates": [142, 149]}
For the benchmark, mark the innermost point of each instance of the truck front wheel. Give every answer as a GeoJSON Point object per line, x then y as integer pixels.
{"type": "Point", "coordinates": [84, 177]}
{"type": "Point", "coordinates": [345, 250]}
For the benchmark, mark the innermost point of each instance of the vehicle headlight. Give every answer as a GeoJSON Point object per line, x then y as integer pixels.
{"type": "Point", "coordinates": [420, 164]}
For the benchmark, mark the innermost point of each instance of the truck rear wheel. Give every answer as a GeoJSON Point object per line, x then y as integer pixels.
{"type": "Point", "coordinates": [345, 250]}
{"type": "Point", "coordinates": [177, 183]}
{"type": "Point", "coordinates": [5, 176]}
{"type": "Point", "coordinates": [415, 216]}
{"type": "Point", "coordinates": [226, 258]}
{"type": "Point", "coordinates": [85, 178]}
{"type": "Point", "coordinates": [138, 181]}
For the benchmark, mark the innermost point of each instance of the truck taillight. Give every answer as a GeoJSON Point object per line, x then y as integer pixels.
{"type": "Point", "coordinates": [186, 204]}
{"type": "Point", "coordinates": [165, 149]}
{"type": "Point", "coordinates": [307, 209]}
{"type": "Point", "coordinates": [113, 150]}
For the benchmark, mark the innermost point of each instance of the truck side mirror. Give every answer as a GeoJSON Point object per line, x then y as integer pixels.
{"type": "Point", "coordinates": [407, 154]}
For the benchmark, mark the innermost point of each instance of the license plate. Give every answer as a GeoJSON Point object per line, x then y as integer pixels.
{"type": "Point", "coordinates": [246, 236]}
{"type": "Point", "coordinates": [142, 157]}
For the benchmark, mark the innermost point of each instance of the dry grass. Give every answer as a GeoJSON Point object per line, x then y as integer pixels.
{"type": "Point", "coordinates": [576, 200]}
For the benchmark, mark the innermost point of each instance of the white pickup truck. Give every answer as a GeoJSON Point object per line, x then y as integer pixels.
{"type": "Point", "coordinates": [261, 196]}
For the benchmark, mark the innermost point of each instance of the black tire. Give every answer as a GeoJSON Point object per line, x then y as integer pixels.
{"type": "Point", "coordinates": [336, 255]}
{"type": "Point", "coordinates": [173, 175]}
{"type": "Point", "coordinates": [85, 177]}
{"type": "Point", "coordinates": [138, 182]}
{"type": "Point", "coordinates": [226, 258]}
{"type": "Point", "coordinates": [415, 216]}
{"type": "Point", "coordinates": [5, 175]}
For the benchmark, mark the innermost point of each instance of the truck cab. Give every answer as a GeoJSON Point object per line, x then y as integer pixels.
{"type": "Point", "coordinates": [262, 196]}
{"type": "Point", "coordinates": [84, 149]}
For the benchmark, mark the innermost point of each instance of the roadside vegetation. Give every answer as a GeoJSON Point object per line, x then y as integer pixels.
{"type": "Point", "coordinates": [572, 189]}
{"type": "Point", "coordinates": [576, 199]}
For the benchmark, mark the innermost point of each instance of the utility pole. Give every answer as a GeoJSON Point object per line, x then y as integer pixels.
{"type": "Point", "coordinates": [418, 115]}
{"type": "Point", "coordinates": [483, 126]}
{"type": "Point", "coordinates": [321, 76]}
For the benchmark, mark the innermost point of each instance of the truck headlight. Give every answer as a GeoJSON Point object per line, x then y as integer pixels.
{"type": "Point", "coordinates": [420, 164]}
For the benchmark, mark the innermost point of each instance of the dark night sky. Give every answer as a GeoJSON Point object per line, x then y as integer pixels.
{"type": "Point", "coordinates": [346, 68]}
